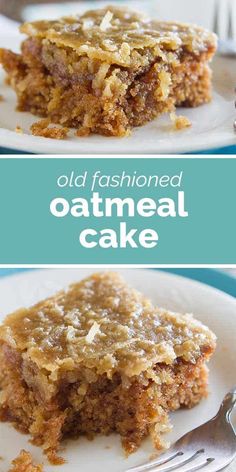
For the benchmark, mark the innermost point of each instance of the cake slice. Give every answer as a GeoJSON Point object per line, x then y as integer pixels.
{"type": "Point", "coordinates": [109, 70]}
{"type": "Point", "coordinates": [100, 358]}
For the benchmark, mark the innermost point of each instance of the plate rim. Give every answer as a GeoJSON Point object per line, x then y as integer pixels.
{"type": "Point", "coordinates": [37, 147]}
{"type": "Point", "coordinates": [24, 272]}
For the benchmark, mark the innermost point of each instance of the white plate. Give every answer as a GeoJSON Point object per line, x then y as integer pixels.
{"type": "Point", "coordinates": [211, 306]}
{"type": "Point", "coordinates": [212, 124]}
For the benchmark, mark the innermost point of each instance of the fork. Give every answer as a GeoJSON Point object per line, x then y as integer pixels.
{"type": "Point", "coordinates": [227, 43]}
{"type": "Point", "coordinates": [210, 447]}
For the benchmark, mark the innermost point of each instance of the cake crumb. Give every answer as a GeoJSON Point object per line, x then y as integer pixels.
{"type": "Point", "coordinates": [42, 128]}
{"type": "Point", "coordinates": [82, 132]}
{"type": "Point", "coordinates": [180, 122]}
{"type": "Point", "coordinates": [1, 98]}
{"type": "Point", "coordinates": [18, 129]}
{"type": "Point", "coordinates": [53, 458]}
{"type": "Point", "coordinates": [154, 456]}
{"type": "Point", "coordinates": [24, 463]}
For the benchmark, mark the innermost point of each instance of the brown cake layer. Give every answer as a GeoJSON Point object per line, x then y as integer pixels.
{"type": "Point", "coordinates": [100, 358]}
{"type": "Point", "coordinates": [109, 70]}
{"type": "Point", "coordinates": [134, 411]}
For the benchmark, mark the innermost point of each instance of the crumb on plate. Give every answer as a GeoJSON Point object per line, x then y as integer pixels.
{"type": "Point", "coordinates": [24, 463]}
{"type": "Point", "coordinates": [19, 129]}
{"type": "Point", "coordinates": [42, 128]}
{"type": "Point", "coordinates": [180, 122]}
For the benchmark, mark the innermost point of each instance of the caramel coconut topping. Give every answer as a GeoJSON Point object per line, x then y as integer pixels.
{"type": "Point", "coordinates": [103, 324]}
{"type": "Point", "coordinates": [120, 36]}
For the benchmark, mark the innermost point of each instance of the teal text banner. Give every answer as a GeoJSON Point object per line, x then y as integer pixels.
{"type": "Point", "coordinates": [146, 211]}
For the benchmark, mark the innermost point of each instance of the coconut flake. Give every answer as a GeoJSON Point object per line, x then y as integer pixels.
{"type": "Point", "coordinates": [106, 21]}
{"type": "Point", "coordinates": [70, 334]}
{"type": "Point", "coordinates": [125, 51]}
{"type": "Point", "coordinates": [95, 329]}
{"type": "Point", "coordinates": [7, 336]}
{"type": "Point", "coordinates": [59, 309]}
{"type": "Point", "coordinates": [87, 23]}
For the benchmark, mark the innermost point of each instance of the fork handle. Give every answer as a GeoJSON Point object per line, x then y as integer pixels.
{"type": "Point", "coordinates": [228, 404]}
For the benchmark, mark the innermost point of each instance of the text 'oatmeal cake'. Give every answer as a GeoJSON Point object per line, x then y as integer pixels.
{"type": "Point", "coordinates": [109, 70]}
{"type": "Point", "coordinates": [100, 358]}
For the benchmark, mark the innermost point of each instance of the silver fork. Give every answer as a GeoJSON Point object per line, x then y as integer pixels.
{"type": "Point", "coordinates": [227, 45]}
{"type": "Point", "coordinates": [210, 447]}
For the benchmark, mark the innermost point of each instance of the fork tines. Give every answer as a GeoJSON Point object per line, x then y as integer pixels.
{"type": "Point", "coordinates": [169, 464]}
